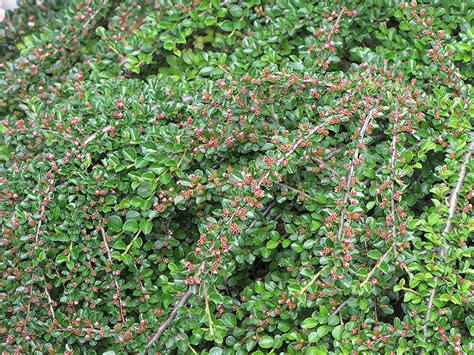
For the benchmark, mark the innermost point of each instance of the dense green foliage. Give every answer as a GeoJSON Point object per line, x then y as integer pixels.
{"type": "Point", "coordinates": [293, 175]}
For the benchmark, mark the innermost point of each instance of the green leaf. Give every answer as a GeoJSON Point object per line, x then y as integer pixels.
{"type": "Point", "coordinates": [215, 351]}
{"type": "Point", "coordinates": [120, 245]}
{"type": "Point", "coordinates": [363, 304]}
{"type": "Point", "coordinates": [137, 242]}
{"type": "Point", "coordinates": [146, 226]}
{"type": "Point", "coordinates": [272, 244]}
{"type": "Point", "coordinates": [236, 11]}
{"type": "Point", "coordinates": [370, 205]}
{"type": "Point", "coordinates": [323, 330]}
{"type": "Point", "coordinates": [75, 253]}
{"type": "Point", "coordinates": [115, 223]}
{"type": "Point", "coordinates": [165, 178]}
{"type": "Point", "coordinates": [337, 332]}
{"type": "Point", "coordinates": [61, 258]}
{"type": "Point", "coordinates": [284, 326]}
{"type": "Point", "coordinates": [146, 189]}
{"type": "Point", "coordinates": [315, 225]}
{"type": "Point", "coordinates": [313, 350]}
{"type": "Point", "coordinates": [169, 46]}
{"type": "Point", "coordinates": [309, 323]}
{"type": "Point", "coordinates": [129, 154]}
{"type": "Point", "coordinates": [313, 337]}
{"type": "Point", "coordinates": [408, 156]}
{"type": "Point", "coordinates": [333, 319]}
{"type": "Point", "coordinates": [229, 320]}
{"type": "Point", "coordinates": [227, 26]}
{"type": "Point", "coordinates": [266, 342]}
{"type": "Point", "coordinates": [321, 198]}
{"type": "Point", "coordinates": [205, 70]}
{"type": "Point", "coordinates": [41, 255]}
{"type": "Point", "coordinates": [384, 267]}
{"type": "Point", "coordinates": [130, 226]}
{"type": "Point", "coordinates": [404, 26]}
{"type": "Point", "coordinates": [127, 259]}
{"type": "Point", "coordinates": [433, 219]}
{"type": "Point", "coordinates": [374, 254]}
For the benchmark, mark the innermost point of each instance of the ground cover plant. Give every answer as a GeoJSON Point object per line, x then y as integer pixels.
{"type": "Point", "coordinates": [233, 177]}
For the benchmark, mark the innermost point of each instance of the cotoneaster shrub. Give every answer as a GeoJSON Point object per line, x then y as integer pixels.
{"type": "Point", "coordinates": [236, 177]}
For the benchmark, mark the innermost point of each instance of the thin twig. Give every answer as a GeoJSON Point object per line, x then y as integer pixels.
{"type": "Point", "coordinates": [367, 120]}
{"type": "Point", "coordinates": [392, 184]}
{"type": "Point", "coordinates": [94, 135]}
{"type": "Point", "coordinates": [181, 302]}
{"type": "Point", "coordinates": [381, 260]}
{"type": "Point", "coordinates": [208, 311]}
{"type": "Point", "coordinates": [331, 170]}
{"type": "Point", "coordinates": [375, 311]}
{"type": "Point", "coordinates": [333, 152]}
{"type": "Point", "coordinates": [265, 213]}
{"type": "Point", "coordinates": [313, 279]}
{"type": "Point", "coordinates": [335, 24]}
{"type": "Point", "coordinates": [299, 192]}
{"type": "Point", "coordinates": [39, 225]}
{"type": "Point", "coordinates": [50, 302]}
{"type": "Point", "coordinates": [117, 286]}
{"type": "Point", "coordinates": [92, 17]}
{"type": "Point", "coordinates": [338, 309]}
{"type": "Point", "coordinates": [453, 201]}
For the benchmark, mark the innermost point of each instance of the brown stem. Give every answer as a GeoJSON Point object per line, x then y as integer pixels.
{"type": "Point", "coordinates": [117, 286]}
{"type": "Point", "coordinates": [181, 302]}
{"type": "Point", "coordinates": [208, 311]}
{"type": "Point", "coordinates": [265, 213]}
{"type": "Point", "coordinates": [338, 309]}
{"type": "Point", "coordinates": [453, 201]}
{"type": "Point", "coordinates": [392, 185]}
{"type": "Point", "coordinates": [312, 281]}
{"type": "Point", "coordinates": [50, 302]}
{"type": "Point", "coordinates": [335, 24]}
{"type": "Point", "coordinates": [39, 225]}
{"type": "Point", "coordinates": [331, 170]}
{"type": "Point", "coordinates": [380, 261]}
{"type": "Point", "coordinates": [302, 193]}
{"type": "Point", "coordinates": [367, 120]}
{"type": "Point", "coordinates": [375, 311]}
{"type": "Point", "coordinates": [94, 135]}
